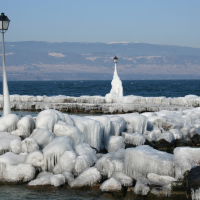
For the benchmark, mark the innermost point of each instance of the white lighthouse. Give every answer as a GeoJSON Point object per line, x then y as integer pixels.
{"type": "Point", "coordinates": [117, 88]}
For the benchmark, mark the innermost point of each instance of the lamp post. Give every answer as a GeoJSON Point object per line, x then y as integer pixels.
{"type": "Point", "coordinates": [115, 59]}
{"type": "Point", "coordinates": [4, 23]}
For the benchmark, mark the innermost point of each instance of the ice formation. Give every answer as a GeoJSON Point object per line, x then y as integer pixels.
{"type": "Point", "coordinates": [185, 158]}
{"type": "Point", "coordinates": [66, 163]}
{"type": "Point", "coordinates": [29, 145]}
{"type": "Point", "coordinates": [36, 159]}
{"type": "Point", "coordinates": [71, 131]}
{"type": "Point", "coordinates": [141, 187]}
{"type": "Point", "coordinates": [16, 146]}
{"type": "Point", "coordinates": [115, 143]}
{"type": "Point", "coordinates": [160, 180]}
{"type": "Point", "coordinates": [162, 191]}
{"type": "Point", "coordinates": [69, 178]}
{"type": "Point", "coordinates": [176, 133]}
{"type": "Point", "coordinates": [88, 177]}
{"type": "Point", "coordinates": [123, 178]}
{"type": "Point", "coordinates": [134, 138]}
{"type": "Point", "coordinates": [8, 123]}
{"type": "Point", "coordinates": [118, 125]}
{"type": "Point", "coordinates": [117, 89]}
{"type": "Point", "coordinates": [55, 149]}
{"type": "Point", "coordinates": [25, 127]}
{"type": "Point", "coordinates": [168, 136]}
{"type": "Point", "coordinates": [42, 136]}
{"type": "Point", "coordinates": [92, 131]}
{"type": "Point", "coordinates": [111, 185]}
{"type": "Point", "coordinates": [136, 160]}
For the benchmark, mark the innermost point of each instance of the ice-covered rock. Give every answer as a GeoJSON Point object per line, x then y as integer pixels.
{"type": "Point", "coordinates": [36, 159]}
{"type": "Point", "coordinates": [177, 134]}
{"type": "Point", "coordinates": [92, 131]}
{"type": "Point", "coordinates": [47, 119]}
{"type": "Point", "coordinates": [162, 191]}
{"type": "Point", "coordinates": [168, 136]}
{"type": "Point", "coordinates": [185, 158]}
{"type": "Point", "coordinates": [115, 143]}
{"type": "Point", "coordinates": [142, 186]}
{"type": "Point", "coordinates": [16, 146]}
{"type": "Point", "coordinates": [42, 136]}
{"type": "Point", "coordinates": [25, 127]}
{"type": "Point", "coordinates": [136, 160]}
{"type": "Point", "coordinates": [111, 162]}
{"type": "Point", "coordinates": [66, 163]}
{"type": "Point", "coordinates": [54, 150]}
{"type": "Point", "coordinates": [71, 131]}
{"type": "Point", "coordinates": [129, 128]}
{"type": "Point", "coordinates": [111, 185]}
{"type": "Point", "coordinates": [134, 138]}
{"type": "Point", "coordinates": [12, 158]}
{"type": "Point", "coordinates": [29, 145]}
{"type": "Point", "coordinates": [87, 177]}
{"type": "Point", "coordinates": [151, 136]}
{"type": "Point", "coordinates": [16, 173]}
{"type": "Point", "coordinates": [83, 162]}
{"type": "Point", "coordinates": [123, 178]}
{"type": "Point", "coordinates": [85, 148]}
{"type": "Point", "coordinates": [138, 122]}
{"type": "Point", "coordinates": [118, 125]}
{"type": "Point", "coordinates": [8, 123]}
{"type": "Point", "coordinates": [156, 179]}
{"type": "Point", "coordinates": [69, 178]}
{"type": "Point", "coordinates": [57, 180]}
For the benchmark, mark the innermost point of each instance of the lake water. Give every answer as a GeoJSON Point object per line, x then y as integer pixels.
{"type": "Point", "coordinates": [168, 88]}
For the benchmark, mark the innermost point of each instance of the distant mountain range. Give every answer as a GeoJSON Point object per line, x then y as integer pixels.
{"type": "Point", "coordinates": [93, 61]}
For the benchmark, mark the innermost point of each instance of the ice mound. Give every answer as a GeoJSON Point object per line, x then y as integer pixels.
{"type": "Point", "coordinates": [29, 145]}
{"type": "Point", "coordinates": [156, 179]}
{"type": "Point", "coordinates": [185, 131]}
{"type": "Point", "coordinates": [47, 119]}
{"type": "Point", "coordinates": [12, 158]}
{"type": "Point", "coordinates": [49, 179]}
{"type": "Point", "coordinates": [71, 131]}
{"type": "Point", "coordinates": [118, 125]}
{"type": "Point", "coordinates": [66, 163]}
{"type": "Point", "coordinates": [134, 138]}
{"type": "Point", "coordinates": [105, 122]}
{"type": "Point", "coordinates": [138, 122]}
{"type": "Point", "coordinates": [92, 131]}
{"type": "Point", "coordinates": [151, 136]}
{"type": "Point", "coordinates": [111, 185]}
{"type": "Point", "coordinates": [185, 158]}
{"type": "Point", "coordinates": [5, 141]}
{"type": "Point", "coordinates": [36, 159]}
{"type": "Point", "coordinates": [177, 134]}
{"type": "Point", "coordinates": [8, 123]}
{"type": "Point", "coordinates": [25, 127]}
{"type": "Point", "coordinates": [83, 162]}
{"type": "Point", "coordinates": [158, 162]}
{"type": "Point", "coordinates": [42, 136]}
{"type": "Point", "coordinates": [123, 178]}
{"type": "Point", "coordinates": [69, 178]}
{"type": "Point", "coordinates": [43, 173]}
{"type": "Point", "coordinates": [111, 162]}
{"type": "Point", "coordinates": [115, 143]}
{"type": "Point", "coordinates": [16, 146]}
{"type": "Point", "coordinates": [168, 136]}
{"type": "Point", "coordinates": [129, 128]}
{"type": "Point", "coordinates": [54, 150]}
{"type": "Point", "coordinates": [85, 148]}
{"type": "Point", "coordinates": [141, 187]}
{"type": "Point", "coordinates": [57, 180]}
{"type": "Point", "coordinates": [89, 176]}
{"type": "Point", "coordinates": [17, 173]}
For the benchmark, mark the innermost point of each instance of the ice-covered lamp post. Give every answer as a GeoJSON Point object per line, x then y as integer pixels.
{"type": "Point", "coordinates": [117, 89]}
{"type": "Point", "coordinates": [4, 23]}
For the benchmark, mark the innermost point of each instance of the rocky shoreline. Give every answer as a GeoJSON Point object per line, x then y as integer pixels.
{"type": "Point", "coordinates": [130, 156]}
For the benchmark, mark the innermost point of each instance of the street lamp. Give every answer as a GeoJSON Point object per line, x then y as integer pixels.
{"type": "Point", "coordinates": [4, 23]}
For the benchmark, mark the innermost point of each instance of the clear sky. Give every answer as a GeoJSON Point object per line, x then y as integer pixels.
{"type": "Point", "coordinates": [172, 22]}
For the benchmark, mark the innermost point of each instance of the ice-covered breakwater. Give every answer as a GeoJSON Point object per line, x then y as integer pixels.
{"type": "Point", "coordinates": [99, 104]}
{"type": "Point", "coordinates": [154, 153]}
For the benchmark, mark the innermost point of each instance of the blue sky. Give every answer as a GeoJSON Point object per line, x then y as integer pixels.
{"type": "Point", "coordinates": [171, 22]}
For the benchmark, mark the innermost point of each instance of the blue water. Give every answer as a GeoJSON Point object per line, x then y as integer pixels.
{"type": "Point", "coordinates": [168, 88]}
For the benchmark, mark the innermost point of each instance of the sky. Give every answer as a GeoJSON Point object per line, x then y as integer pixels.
{"type": "Point", "coordinates": [148, 21]}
